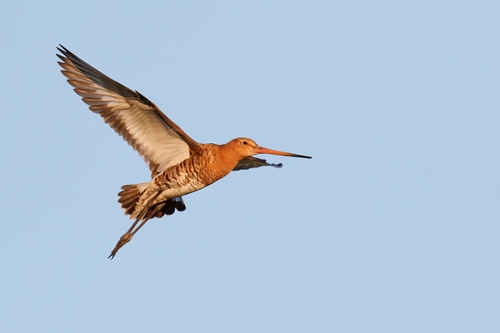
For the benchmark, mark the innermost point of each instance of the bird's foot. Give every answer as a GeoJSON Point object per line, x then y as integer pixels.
{"type": "Point", "coordinates": [123, 240]}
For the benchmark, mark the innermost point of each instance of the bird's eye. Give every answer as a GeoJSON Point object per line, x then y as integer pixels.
{"type": "Point", "coordinates": [245, 143]}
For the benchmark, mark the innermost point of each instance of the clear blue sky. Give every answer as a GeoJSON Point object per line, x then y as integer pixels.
{"type": "Point", "coordinates": [393, 226]}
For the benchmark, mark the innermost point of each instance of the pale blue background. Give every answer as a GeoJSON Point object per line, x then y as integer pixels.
{"type": "Point", "coordinates": [393, 226]}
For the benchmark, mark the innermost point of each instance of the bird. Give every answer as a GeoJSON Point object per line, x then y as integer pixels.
{"type": "Point", "coordinates": [179, 165]}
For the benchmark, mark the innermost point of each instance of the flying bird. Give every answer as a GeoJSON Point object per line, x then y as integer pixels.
{"type": "Point", "coordinates": [179, 165]}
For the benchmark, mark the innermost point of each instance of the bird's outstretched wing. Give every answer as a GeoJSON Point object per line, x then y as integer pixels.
{"type": "Point", "coordinates": [254, 162]}
{"type": "Point", "coordinates": [157, 139]}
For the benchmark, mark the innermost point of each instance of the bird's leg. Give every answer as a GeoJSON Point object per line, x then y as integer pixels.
{"type": "Point", "coordinates": [126, 237]}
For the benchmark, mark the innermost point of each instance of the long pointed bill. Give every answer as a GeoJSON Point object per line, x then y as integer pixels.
{"type": "Point", "coordinates": [262, 150]}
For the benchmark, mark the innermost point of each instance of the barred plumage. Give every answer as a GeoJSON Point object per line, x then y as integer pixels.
{"type": "Point", "coordinates": [179, 165]}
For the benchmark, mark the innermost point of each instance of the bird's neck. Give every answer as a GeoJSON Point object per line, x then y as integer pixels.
{"type": "Point", "coordinates": [226, 159]}
{"type": "Point", "coordinates": [215, 161]}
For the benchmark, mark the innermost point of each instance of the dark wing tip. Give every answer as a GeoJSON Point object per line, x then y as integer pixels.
{"type": "Point", "coordinates": [64, 51]}
{"type": "Point", "coordinates": [254, 162]}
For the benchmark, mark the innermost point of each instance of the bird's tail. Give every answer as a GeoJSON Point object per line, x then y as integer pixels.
{"type": "Point", "coordinates": [130, 195]}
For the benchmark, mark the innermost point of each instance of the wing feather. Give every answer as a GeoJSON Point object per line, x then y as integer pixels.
{"type": "Point", "coordinates": [157, 139]}
{"type": "Point", "coordinates": [254, 162]}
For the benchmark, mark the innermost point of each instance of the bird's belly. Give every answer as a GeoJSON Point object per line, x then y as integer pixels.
{"type": "Point", "coordinates": [169, 191]}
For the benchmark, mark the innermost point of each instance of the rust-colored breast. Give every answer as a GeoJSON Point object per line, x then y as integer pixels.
{"type": "Point", "coordinates": [205, 166]}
